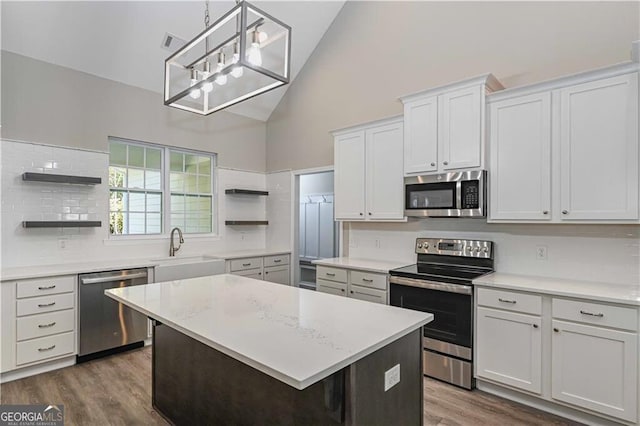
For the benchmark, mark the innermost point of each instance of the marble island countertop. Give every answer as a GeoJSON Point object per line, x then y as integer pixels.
{"type": "Point", "coordinates": [73, 268]}
{"type": "Point", "coordinates": [294, 335]}
{"type": "Point", "coordinates": [604, 292]}
{"type": "Point", "coordinates": [382, 266]}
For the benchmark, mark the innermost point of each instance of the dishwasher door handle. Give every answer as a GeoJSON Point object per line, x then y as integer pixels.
{"type": "Point", "coordinates": [113, 278]}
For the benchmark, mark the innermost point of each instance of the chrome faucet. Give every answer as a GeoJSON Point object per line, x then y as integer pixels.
{"type": "Point", "coordinates": [172, 248]}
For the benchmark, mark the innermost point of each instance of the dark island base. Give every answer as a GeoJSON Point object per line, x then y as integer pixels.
{"type": "Point", "coordinates": [194, 384]}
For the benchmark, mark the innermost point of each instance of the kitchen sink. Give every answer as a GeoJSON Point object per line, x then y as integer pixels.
{"type": "Point", "coordinates": [179, 268]}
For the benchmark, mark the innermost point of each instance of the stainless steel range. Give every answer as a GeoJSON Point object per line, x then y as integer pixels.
{"type": "Point", "coordinates": [440, 283]}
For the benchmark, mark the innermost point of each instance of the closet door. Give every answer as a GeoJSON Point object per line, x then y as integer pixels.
{"type": "Point", "coordinates": [312, 243]}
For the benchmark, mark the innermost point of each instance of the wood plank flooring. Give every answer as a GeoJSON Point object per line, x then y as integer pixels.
{"type": "Point", "coordinates": [117, 391]}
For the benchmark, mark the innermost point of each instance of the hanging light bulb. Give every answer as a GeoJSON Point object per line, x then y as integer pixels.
{"type": "Point", "coordinates": [254, 56]}
{"type": "Point", "coordinates": [222, 78]}
{"type": "Point", "coordinates": [263, 36]}
{"type": "Point", "coordinates": [195, 93]}
{"type": "Point", "coordinates": [237, 70]}
{"type": "Point", "coordinates": [207, 87]}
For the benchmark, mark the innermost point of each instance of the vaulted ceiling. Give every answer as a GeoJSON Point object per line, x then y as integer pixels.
{"type": "Point", "coordinates": [122, 40]}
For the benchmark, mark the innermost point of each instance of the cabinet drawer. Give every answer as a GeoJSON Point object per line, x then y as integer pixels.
{"type": "Point", "coordinates": [42, 286]}
{"type": "Point", "coordinates": [244, 264]}
{"type": "Point", "coordinates": [282, 259]}
{"type": "Point", "coordinates": [368, 294]}
{"type": "Point", "coordinates": [38, 305]}
{"type": "Point", "coordinates": [250, 273]}
{"type": "Point", "coordinates": [45, 324]}
{"type": "Point", "coordinates": [595, 313]}
{"type": "Point", "coordinates": [332, 274]}
{"type": "Point", "coordinates": [331, 287]}
{"type": "Point", "coordinates": [369, 279]}
{"type": "Point", "coordinates": [45, 347]}
{"type": "Point", "coordinates": [510, 301]}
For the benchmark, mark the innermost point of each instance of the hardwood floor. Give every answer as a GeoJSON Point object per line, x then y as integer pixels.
{"type": "Point", "coordinates": [117, 391]}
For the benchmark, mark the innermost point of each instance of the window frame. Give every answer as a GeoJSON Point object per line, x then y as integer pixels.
{"type": "Point", "coordinates": [165, 190]}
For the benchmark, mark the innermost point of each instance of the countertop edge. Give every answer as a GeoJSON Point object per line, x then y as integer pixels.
{"type": "Point", "coordinates": [327, 262]}
{"type": "Point", "coordinates": [299, 384]}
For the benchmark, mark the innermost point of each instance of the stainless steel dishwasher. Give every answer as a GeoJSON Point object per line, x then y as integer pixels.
{"type": "Point", "coordinates": [107, 326]}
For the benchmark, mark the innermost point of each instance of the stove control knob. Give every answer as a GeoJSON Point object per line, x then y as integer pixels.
{"type": "Point", "coordinates": [486, 249]}
{"type": "Point", "coordinates": [419, 245]}
{"type": "Point", "coordinates": [477, 249]}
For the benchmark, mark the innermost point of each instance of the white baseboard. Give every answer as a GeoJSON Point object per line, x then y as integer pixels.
{"type": "Point", "coordinates": [21, 373]}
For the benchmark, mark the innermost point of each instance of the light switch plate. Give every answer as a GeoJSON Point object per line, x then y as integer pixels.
{"type": "Point", "coordinates": [391, 377]}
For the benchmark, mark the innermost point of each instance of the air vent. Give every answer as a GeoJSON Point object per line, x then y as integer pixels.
{"type": "Point", "coordinates": [172, 43]}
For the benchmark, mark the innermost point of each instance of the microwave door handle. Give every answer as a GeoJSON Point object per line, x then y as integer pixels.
{"type": "Point", "coordinates": [458, 205]}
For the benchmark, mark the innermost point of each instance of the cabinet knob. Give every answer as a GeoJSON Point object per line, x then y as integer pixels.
{"type": "Point", "coordinates": [360, 214]}
{"type": "Point", "coordinates": [445, 163]}
{"type": "Point", "coordinates": [565, 212]}
{"type": "Point", "coordinates": [351, 292]}
{"type": "Point", "coordinates": [545, 212]}
{"type": "Point", "coordinates": [556, 330]}
{"type": "Point", "coordinates": [433, 164]}
{"type": "Point", "coordinates": [369, 213]}
{"type": "Point", "coordinates": [342, 290]}
{"type": "Point", "coordinates": [535, 325]}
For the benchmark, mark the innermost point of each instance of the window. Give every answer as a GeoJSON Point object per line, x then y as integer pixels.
{"type": "Point", "coordinates": [150, 183]}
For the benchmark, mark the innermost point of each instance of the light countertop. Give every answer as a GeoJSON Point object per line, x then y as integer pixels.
{"type": "Point", "coordinates": [382, 266]}
{"type": "Point", "coordinates": [604, 292]}
{"type": "Point", "coordinates": [294, 335]}
{"type": "Point", "coordinates": [237, 254]}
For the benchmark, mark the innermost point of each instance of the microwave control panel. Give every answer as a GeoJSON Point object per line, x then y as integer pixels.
{"type": "Point", "coordinates": [470, 194]}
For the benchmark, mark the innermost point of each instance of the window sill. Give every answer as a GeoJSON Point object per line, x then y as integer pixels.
{"type": "Point", "coordinates": [116, 240]}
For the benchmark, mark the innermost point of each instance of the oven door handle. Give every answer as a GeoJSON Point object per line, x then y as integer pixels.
{"type": "Point", "coordinates": [432, 285]}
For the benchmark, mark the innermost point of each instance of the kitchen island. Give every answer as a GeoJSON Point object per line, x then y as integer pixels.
{"type": "Point", "coordinates": [234, 350]}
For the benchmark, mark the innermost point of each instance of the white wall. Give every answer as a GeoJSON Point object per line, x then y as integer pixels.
{"type": "Point", "coordinates": [606, 253]}
{"type": "Point", "coordinates": [40, 201]}
{"type": "Point", "coordinates": [316, 183]}
{"type": "Point", "coordinates": [279, 210]}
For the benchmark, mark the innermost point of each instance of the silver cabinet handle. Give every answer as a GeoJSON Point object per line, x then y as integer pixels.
{"type": "Point", "coordinates": [535, 325]}
{"type": "Point", "coordinates": [506, 300]}
{"type": "Point", "coordinates": [445, 163]}
{"type": "Point", "coordinates": [367, 280]}
{"type": "Point", "coordinates": [545, 212]}
{"type": "Point", "coordinates": [329, 274]}
{"type": "Point", "coordinates": [433, 164]}
{"type": "Point", "coordinates": [277, 260]}
{"type": "Point", "coordinates": [46, 325]}
{"type": "Point", "coordinates": [46, 349]}
{"type": "Point", "coordinates": [246, 264]}
{"type": "Point", "coordinates": [46, 305]}
{"type": "Point", "coordinates": [47, 288]}
{"type": "Point", "coordinates": [565, 211]}
{"type": "Point", "coordinates": [599, 315]}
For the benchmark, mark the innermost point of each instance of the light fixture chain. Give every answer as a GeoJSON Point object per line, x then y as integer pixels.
{"type": "Point", "coordinates": [206, 14]}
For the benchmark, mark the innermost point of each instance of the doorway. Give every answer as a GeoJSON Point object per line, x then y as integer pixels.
{"type": "Point", "coordinates": [315, 232]}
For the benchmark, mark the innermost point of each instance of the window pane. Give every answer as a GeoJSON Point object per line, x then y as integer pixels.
{"type": "Point", "coordinates": [153, 179]}
{"type": "Point", "coordinates": [136, 223]}
{"type": "Point", "coordinates": [190, 183]}
{"type": "Point", "coordinates": [192, 204]}
{"type": "Point", "coordinates": [176, 162]}
{"type": "Point", "coordinates": [137, 202]}
{"type": "Point", "coordinates": [154, 203]}
{"type": "Point", "coordinates": [116, 223]}
{"type": "Point", "coordinates": [191, 224]}
{"type": "Point", "coordinates": [205, 204]}
{"type": "Point", "coordinates": [117, 177]}
{"type": "Point", "coordinates": [136, 178]}
{"type": "Point", "coordinates": [153, 158]}
{"type": "Point", "coordinates": [117, 154]}
{"type": "Point", "coordinates": [204, 165]}
{"type": "Point", "coordinates": [154, 223]}
{"type": "Point", "coordinates": [118, 201]}
{"type": "Point", "coordinates": [177, 182]}
{"type": "Point", "coordinates": [177, 219]}
{"type": "Point", "coordinates": [177, 203]}
{"type": "Point", "coordinates": [136, 156]}
{"type": "Point", "coordinates": [204, 184]}
{"type": "Point", "coordinates": [191, 163]}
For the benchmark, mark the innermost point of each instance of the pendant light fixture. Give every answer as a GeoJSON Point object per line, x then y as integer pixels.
{"type": "Point", "coordinates": [241, 55]}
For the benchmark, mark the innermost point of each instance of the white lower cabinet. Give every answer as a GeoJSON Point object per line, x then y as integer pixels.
{"type": "Point", "coordinates": [274, 268]}
{"type": "Point", "coordinates": [356, 284]}
{"type": "Point", "coordinates": [509, 348]}
{"type": "Point", "coordinates": [595, 368]}
{"type": "Point", "coordinates": [576, 352]}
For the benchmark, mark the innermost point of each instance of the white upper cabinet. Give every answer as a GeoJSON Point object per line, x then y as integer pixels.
{"type": "Point", "coordinates": [566, 150]}
{"type": "Point", "coordinates": [599, 149]}
{"type": "Point", "coordinates": [369, 172]}
{"type": "Point", "coordinates": [444, 127]}
{"type": "Point", "coordinates": [520, 158]}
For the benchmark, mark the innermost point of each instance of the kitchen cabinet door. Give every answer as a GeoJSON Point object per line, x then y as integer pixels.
{"type": "Point", "coordinates": [509, 349]}
{"type": "Point", "coordinates": [421, 136]}
{"type": "Point", "coordinates": [250, 273]}
{"type": "Point", "coordinates": [599, 149]}
{"type": "Point", "coordinates": [384, 172]}
{"type": "Point", "coordinates": [349, 176]}
{"type": "Point", "coordinates": [595, 368]}
{"type": "Point", "coordinates": [277, 274]}
{"type": "Point", "coordinates": [460, 131]}
{"type": "Point", "coordinates": [520, 147]}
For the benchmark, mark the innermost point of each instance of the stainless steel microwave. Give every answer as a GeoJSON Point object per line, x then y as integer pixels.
{"type": "Point", "coordinates": [460, 194]}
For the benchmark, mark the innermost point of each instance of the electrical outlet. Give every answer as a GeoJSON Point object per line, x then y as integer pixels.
{"type": "Point", "coordinates": [541, 252]}
{"type": "Point", "coordinates": [62, 243]}
{"type": "Point", "coordinates": [391, 377]}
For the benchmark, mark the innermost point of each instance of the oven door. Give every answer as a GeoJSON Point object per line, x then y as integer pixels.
{"type": "Point", "coordinates": [450, 304]}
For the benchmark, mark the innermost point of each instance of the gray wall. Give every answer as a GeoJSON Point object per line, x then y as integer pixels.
{"type": "Point", "coordinates": [316, 183]}
{"type": "Point", "coordinates": [46, 103]}
{"type": "Point", "coordinates": [375, 52]}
